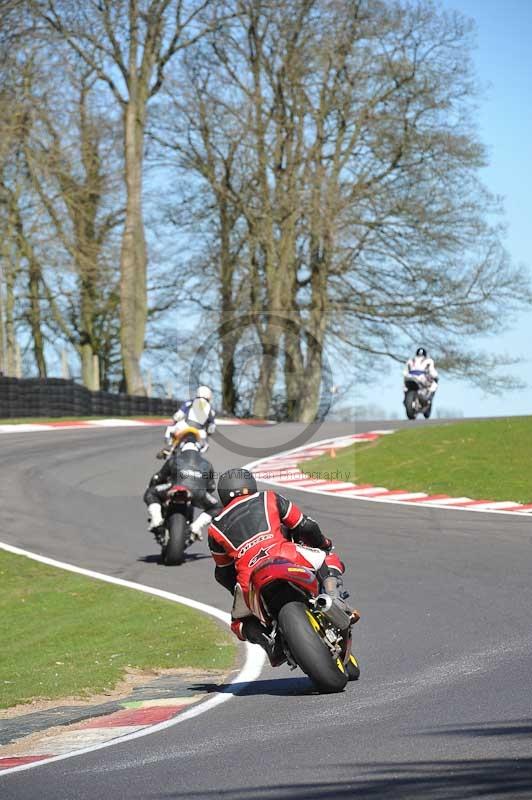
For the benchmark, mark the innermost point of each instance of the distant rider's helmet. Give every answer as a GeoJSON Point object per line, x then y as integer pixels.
{"type": "Point", "coordinates": [236, 483]}
{"type": "Point", "coordinates": [421, 352]}
{"type": "Point", "coordinates": [204, 392]}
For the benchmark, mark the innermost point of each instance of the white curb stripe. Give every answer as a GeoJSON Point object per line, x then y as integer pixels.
{"type": "Point", "coordinates": [255, 658]}
{"type": "Point", "coordinates": [112, 422]}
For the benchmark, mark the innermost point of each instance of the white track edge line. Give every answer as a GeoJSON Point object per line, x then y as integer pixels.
{"type": "Point", "coordinates": [251, 670]}
{"type": "Point", "coordinates": [390, 501]}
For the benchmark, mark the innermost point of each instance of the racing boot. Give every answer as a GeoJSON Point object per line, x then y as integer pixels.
{"type": "Point", "coordinates": [155, 521]}
{"type": "Point", "coordinates": [332, 584]}
{"type": "Point", "coordinates": [254, 631]}
{"type": "Point", "coordinates": [331, 581]}
{"type": "Point", "coordinates": [197, 527]}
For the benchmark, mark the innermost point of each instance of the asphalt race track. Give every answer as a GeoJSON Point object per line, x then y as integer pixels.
{"type": "Point", "coordinates": [444, 705]}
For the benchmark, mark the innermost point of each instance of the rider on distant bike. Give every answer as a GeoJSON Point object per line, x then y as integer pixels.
{"type": "Point", "coordinates": [422, 365]}
{"type": "Point", "coordinates": [197, 413]}
{"type": "Point", "coordinates": [186, 467]}
{"type": "Point", "coordinates": [254, 526]}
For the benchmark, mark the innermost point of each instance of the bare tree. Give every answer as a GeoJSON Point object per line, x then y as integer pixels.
{"type": "Point", "coordinates": [71, 160]}
{"type": "Point", "coordinates": [20, 262]}
{"type": "Point", "coordinates": [129, 44]}
{"type": "Point", "coordinates": [368, 227]}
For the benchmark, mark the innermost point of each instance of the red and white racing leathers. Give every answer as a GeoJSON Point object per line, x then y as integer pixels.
{"type": "Point", "coordinates": [249, 530]}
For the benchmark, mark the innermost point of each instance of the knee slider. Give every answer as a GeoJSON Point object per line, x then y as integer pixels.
{"type": "Point", "coordinates": [237, 628]}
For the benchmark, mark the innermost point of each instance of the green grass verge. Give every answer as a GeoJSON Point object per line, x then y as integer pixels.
{"type": "Point", "coordinates": [67, 635]}
{"type": "Point", "coordinates": [485, 460]}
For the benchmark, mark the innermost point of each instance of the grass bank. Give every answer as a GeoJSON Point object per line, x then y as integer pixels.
{"type": "Point", "coordinates": [485, 460]}
{"type": "Point", "coordinates": [67, 635]}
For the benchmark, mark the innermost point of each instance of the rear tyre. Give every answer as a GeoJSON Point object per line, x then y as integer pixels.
{"type": "Point", "coordinates": [427, 411]}
{"type": "Point", "coordinates": [352, 668]}
{"type": "Point", "coordinates": [410, 404]}
{"type": "Point", "coordinates": [174, 551]}
{"type": "Point", "coordinates": [308, 649]}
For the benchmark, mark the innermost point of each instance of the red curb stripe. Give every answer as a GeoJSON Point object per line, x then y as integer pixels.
{"type": "Point", "coordinates": [525, 507]}
{"type": "Point", "coordinates": [137, 716]}
{"type": "Point", "coordinates": [75, 423]}
{"type": "Point", "coordinates": [429, 497]}
{"type": "Point", "coordinates": [468, 503]}
{"type": "Point", "coordinates": [301, 479]}
{"type": "Point", "coordinates": [16, 761]}
{"type": "Point", "coordinates": [146, 420]}
{"type": "Point", "coordinates": [354, 487]}
{"type": "Point", "coordinates": [390, 493]}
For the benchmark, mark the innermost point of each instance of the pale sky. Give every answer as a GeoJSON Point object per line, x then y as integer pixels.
{"type": "Point", "coordinates": [503, 63]}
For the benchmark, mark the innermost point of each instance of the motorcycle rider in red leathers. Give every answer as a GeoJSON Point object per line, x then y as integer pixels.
{"type": "Point", "coordinates": [257, 525]}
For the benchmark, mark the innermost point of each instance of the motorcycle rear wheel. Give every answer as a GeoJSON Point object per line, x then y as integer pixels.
{"type": "Point", "coordinates": [308, 649]}
{"type": "Point", "coordinates": [410, 404]}
{"type": "Point", "coordinates": [174, 550]}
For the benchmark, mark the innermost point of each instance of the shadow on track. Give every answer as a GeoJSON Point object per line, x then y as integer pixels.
{"type": "Point", "coordinates": [512, 727]}
{"type": "Point", "coordinates": [155, 558]}
{"type": "Point", "coordinates": [276, 687]}
{"type": "Point", "coordinates": [444, 780]}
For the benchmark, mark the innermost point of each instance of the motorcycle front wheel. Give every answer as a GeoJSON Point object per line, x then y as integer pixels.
{"type": "Point", "coordinates": [174, 550]}
{"type": "Point", "coordinates": [410, 404]}
{"type": "Point", "coordinates": [301, 633]}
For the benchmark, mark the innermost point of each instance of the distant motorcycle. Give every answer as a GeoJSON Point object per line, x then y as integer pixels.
{"type": "Point", "coordinates": [312, 629]}
{"type": "Point", "coordinates": [177, 439]}
{"type": "Point", "coordinates": [418, 398]}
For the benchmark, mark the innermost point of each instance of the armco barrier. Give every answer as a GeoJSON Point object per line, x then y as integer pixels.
{"type": "Point", "coordinates": [57, 397]}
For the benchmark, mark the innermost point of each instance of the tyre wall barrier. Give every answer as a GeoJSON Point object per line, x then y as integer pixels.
{"type": "Point", "coordinates": [58, 397]}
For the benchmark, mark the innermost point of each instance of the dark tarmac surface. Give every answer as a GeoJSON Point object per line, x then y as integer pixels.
{"type": "Point", "coordinates": [443, 708]}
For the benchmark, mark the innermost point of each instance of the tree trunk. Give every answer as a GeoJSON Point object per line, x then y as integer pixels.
{"type": "Point", "coordinates": [86, 346]}
{"type": "Point", "coordinates": [229, 336]}
{"type": "Point", "coordinates": [3, 365]}
{"type": "Point", "coordinates": [320, 255]}
{"type": "Point", "coordinates": [270, 340]}
{"type": "Point", "coordinates": [263, 396]}
{"type": "Point", "coordinates": [293, 372]}
{"type": "Point", "coordinates": [310, 397]}
{"type": "Point", "coordinates": [34, 284]}
{"type": "Point", "coordinates": [133, 257]}
{"type": "Point", "coordinates": [25, 248]}
{"type": "Point", "coordinates": [10, 337]}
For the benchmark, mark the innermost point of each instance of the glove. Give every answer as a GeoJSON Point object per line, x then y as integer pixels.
{"type": "Point", "coordinates": [327, 545]}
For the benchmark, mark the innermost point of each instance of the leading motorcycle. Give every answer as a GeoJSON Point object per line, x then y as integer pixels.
{"type": "Point", "coordinates": [417, 397]}
{"type": "Point", "coordinates": [175, 535]}
{"type": "Point", "coordinates": [312, 629]}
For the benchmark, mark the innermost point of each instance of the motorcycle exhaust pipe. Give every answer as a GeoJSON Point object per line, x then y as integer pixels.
{"type": "Point", "coordinates": [333, 611]}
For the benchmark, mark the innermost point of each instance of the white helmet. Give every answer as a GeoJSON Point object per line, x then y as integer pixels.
{"type": "Point", "coordinates": [204, 392]}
